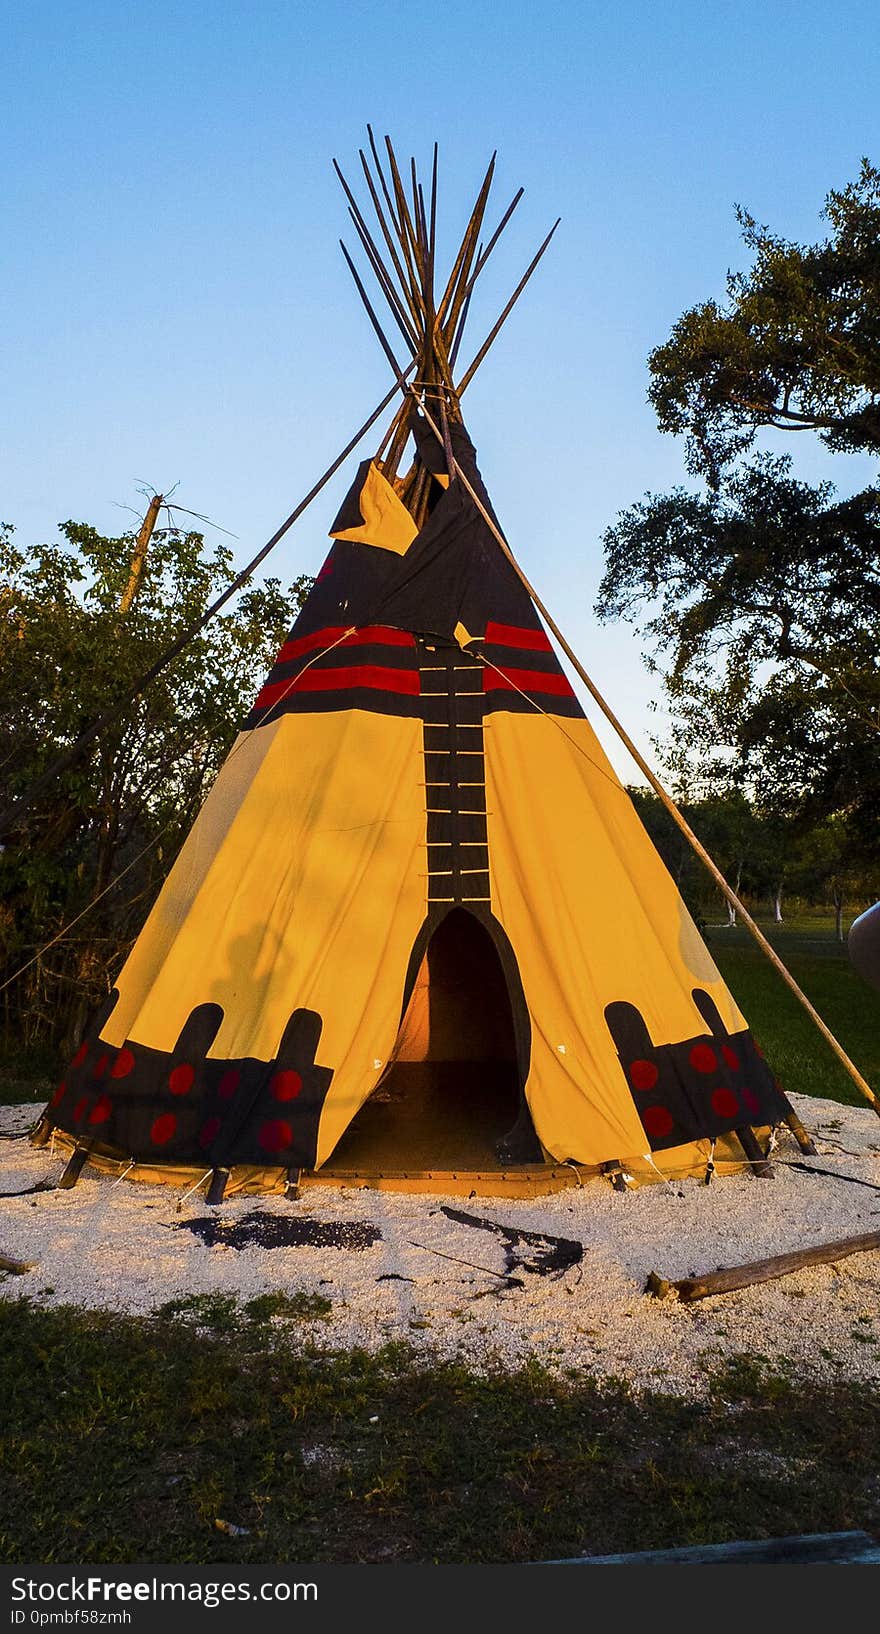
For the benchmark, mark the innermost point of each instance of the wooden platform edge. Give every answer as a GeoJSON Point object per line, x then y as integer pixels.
{"type": "Point", "coordinates": [531, 1180]}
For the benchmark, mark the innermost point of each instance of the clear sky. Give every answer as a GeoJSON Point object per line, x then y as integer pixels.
{"type": "Point", "coordinates": [176, 305]}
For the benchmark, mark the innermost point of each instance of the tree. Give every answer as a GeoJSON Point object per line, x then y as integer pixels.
{"type": "Point", "coordinates": [796, 345]}
{"type": "Point", "coordinates": [762, 599]}
{"type": "Point", "coordinates": [834, 865]}
{"type": "Point", "coordinates": [67, 647]}
{"type": "Point", "coordinates": [762, 593]}
{"type": "Point", "coordinates": [727, 826]}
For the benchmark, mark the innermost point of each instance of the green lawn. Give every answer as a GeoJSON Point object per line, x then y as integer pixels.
{"type": "Point", "coordinates": [126, 1440]}
{"type": "Point", "coordinates": [26, 1077]}
{"type": "Point", "coordinates": [793, 1046]}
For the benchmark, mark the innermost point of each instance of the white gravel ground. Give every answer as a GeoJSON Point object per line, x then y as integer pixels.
{"type": "Point", "coordinates": [115, 1246]}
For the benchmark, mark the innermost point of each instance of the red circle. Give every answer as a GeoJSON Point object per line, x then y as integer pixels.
{"type": "Point", "coordinates": [101, 1110]}
{"type": "Point", "coordinates": [730, 1057]}
{"type": "Point", "coordinates": [81, 1054]}
{"type": "Point", "coordinates": [228, 1084]}
{"type": "Point", "coordinates": [164, 1129]}
{"type": "Point", "coordinates": [658, 1121]}
{"type": "Point", "coordinates": [285, 1086]}
{"type": "Point", "coordinates": [724, 1103]}
{"type": "Point", "coordinates": [208, 1131]}
{"type": "Point", "coordinates": [123, 1065]}
{"type": "Point", "coordinates": [703, 1058]}
{"type": "Point", "coordinates": [180, 1080]}
{"type": "Point", "coordinates": [59, 1095]}
{"type": "Point", "coordinates": [80, 1108]}
{"type": "Point", "coordinates": [101, 1066]}
{"type": "Point", "coordinates": [275, 1136]}
{"type": "Point", "coordinates": [643, 1074]}
{"type": "Point", "coordinates": [751, 1100]}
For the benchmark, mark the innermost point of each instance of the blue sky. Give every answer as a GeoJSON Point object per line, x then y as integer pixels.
{"type": "Point", "coordinates": [176, 305]}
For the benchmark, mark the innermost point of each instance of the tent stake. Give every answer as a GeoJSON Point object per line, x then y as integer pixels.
{"type": "Point", "coordinates": [751, 1146]}
{"type": "Point", "coordinates": [216, 1189]}
{"type": "Point", "coordinates": [76, 1163]}
{"type": "Point", "coordinates": [806, 1143]}
{"type": "Point", "coordinates": [666, 800]}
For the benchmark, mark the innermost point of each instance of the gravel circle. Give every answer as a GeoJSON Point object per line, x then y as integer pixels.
{"type": "Point", "coordinates": [120, 1247]}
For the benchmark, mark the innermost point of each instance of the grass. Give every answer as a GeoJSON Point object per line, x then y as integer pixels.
{"type": "Point", "coordinates": [222, 1313]}
{"type": "Point", "coordinates": [126, 1440]}
{"type": "Point", "coordinates": [799, 1056]}
{"type": "Point", "coordinates": [27, 1076]}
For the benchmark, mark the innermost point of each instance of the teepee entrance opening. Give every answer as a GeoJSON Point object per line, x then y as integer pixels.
{"type": "Point", "coordinates": [452, 1089]}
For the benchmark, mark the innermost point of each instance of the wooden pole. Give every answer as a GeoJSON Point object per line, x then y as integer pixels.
{"type": "Point", "coordinates": [16, 1268]}
{"type": "Point", "coordinates": [386, 231]}
{"type": "Point", "coordinates": [666, 800]}
{"type": "Point", "coordinates": [138, 560]}
{"type": "Point", "coordinates": [462, 263]}
{"type": "Point", "coordinates": [477, 360]}
{"type": "Point", "coordinates": [745, 1276]}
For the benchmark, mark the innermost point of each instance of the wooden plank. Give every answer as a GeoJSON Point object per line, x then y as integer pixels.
{"type": "Point", "coordinates": [811, 1549]}
{"type": "Point", "coordinates": [744, 1276]}
{"type": "Point", "coordinates": [526, 1180]}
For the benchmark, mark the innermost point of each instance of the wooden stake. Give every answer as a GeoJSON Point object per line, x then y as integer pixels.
{"type": "Point", "coordinates": [138, 560]}
{"type": "Point", "coordinates": [805, 1141]}
{"type": "Point", "coordinates": [745, 1276]}
{"type": "Point", "coordinates": [752, 1147]}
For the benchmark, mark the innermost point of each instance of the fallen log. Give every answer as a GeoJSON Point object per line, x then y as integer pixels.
{"type": "Point", "coordinates": [17, 1268]}
{"type": "Point", "coordinates": [726, 1281]}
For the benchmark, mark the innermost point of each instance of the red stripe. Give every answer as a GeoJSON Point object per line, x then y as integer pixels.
{"type": "Point", "coordinates": [510, 635]}
{"type": "Point", "coordinates": [380, 635]}
{"type": "Point", "coordinates": [526, 680]}
{"type": "Point", "coordinates": [372, 635]}
{"type": "Point", "coordinates": [309, 643]}
{"type": "Point", "coordinates": [372, 676]}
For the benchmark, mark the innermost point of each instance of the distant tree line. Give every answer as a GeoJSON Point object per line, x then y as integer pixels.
{"type": "Point", "coordinates": [778, 864]}
{"type": "Point", "coordinates": [72, 638]}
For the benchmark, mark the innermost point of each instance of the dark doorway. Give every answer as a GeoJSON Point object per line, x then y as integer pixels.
{"type": "Point", "coordinates": [451, 1092]}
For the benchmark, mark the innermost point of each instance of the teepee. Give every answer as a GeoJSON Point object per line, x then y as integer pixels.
{"type": "Point", "coordinates": [417, 928]}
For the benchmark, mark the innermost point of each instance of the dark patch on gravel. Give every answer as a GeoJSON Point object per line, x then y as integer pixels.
{"type": "Point", "coordinates": [276, 1231]}
{"type": "Point", "coordinates": [526, 1250]}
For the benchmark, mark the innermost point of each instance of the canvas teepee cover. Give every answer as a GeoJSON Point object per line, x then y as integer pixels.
{"type": "Point", "coordinates": [416, 852]}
